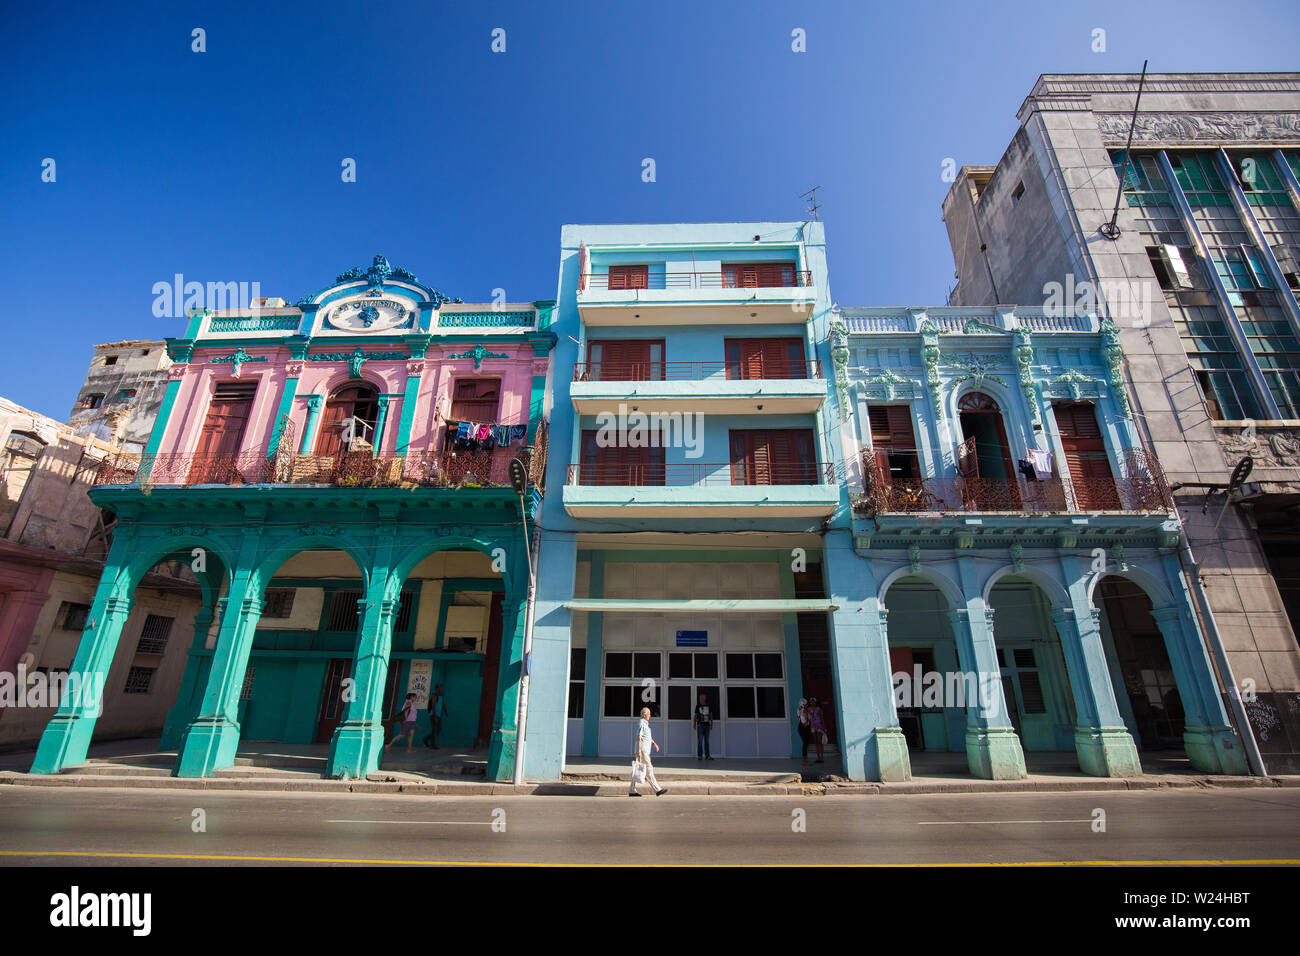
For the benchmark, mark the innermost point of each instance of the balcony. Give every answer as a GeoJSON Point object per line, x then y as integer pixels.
{"type": "Point", "coordinates": [1143, 489]}
{"type": "Point", "coordinates": [700, 489]}
{"type": "Point", "coordinates": [704, 387]}
{"type": "Point", "coordinates": [696, 298]}
{"type": "Point", "coordinates": [358, 469]}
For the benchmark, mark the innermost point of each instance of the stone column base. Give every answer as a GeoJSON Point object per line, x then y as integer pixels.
{"type": "Point", "coordinates": [501, 756]}
{"type": "Point", "coordinates": [1107, 752]}
{"type": "Point", "coordinates": [1215, 750]}
{"type": "Point", "coordinates": [64, 743]}
{"type": "Point", "coordinates": [994, 753]}
{"type": "Point", "coordinates": [355, 749]}
{"type": "Point", "coordinates": [209, 744]}
{"type": "Point", "coordinates": [888, 756]}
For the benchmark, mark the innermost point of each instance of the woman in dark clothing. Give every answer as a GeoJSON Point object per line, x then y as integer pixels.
{"type": "Point", "coordinates": [805, 728]}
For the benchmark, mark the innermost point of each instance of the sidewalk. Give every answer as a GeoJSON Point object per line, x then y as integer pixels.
{"type": "Point", "coordinates": [455, 772]}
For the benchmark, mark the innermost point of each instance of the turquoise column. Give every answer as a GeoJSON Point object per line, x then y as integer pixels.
{"type": "Point", "coordinates": [212, 738]}
{"type": "Point", "coordinates": [358, 741]}
{"type": "Point", "coordinates": [505, 724]}
{"type": "Point", "coordinates": [287, 395]}
{"type": "Point", "coordinates": [182, 710]}
{"type": "Point", "coordinates": [794, 672]}
{"type": "Point", "coordinates": [595, 649]}
{"type": "Point", "coordinates": [871, 739]}
{"type": "Point", "coordinates": [314, 403]}
{"type": "Point", "coordinates": [67, 736]}
{"type": "Point", "coordinates": [164, 416]}
{"type": "Point", "coordinates": [993, 749]}
{"type": "Point", "coordinates": [548, 681]}
{"type": "Point", "coordinates": [414, 373]}
{"type": "Point", "coordinates": [1103, 743]}
{"type": "Point", "coordinates": [1212, 745]}
{"type": "Point", "coordinates": [380, 419]}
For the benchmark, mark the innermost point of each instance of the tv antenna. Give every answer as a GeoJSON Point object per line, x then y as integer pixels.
{"type": "Point", "coordinates": [811, 198]}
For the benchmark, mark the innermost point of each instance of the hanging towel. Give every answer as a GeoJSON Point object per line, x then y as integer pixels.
{"type": "Point", "coordinates": [1042, 462]}
{"type": "Point", "coordinates": [483, 433]}
{"type": "Point", "coordinates": [500, 435]}
{"type": "Point", "coordinates": [517, 433]}
{"type": "Point", "coordinates": [462, 431]}
{"type": "Point", "coordinates": [1026, 469]}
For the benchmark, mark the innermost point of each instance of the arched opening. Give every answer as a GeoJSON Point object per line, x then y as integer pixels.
{"type": "Point", "coordinates": [1035, 678]}
{"type": "Point", "coordinates": [348, 422]}
{"type": "Point", "coordinates": [1086, 459]}
{"type": "Point", "coordinates": [929, 692]}
{"type": "Point", "coordinates": [1146, 689]}
{"type": "Point", "coordinates": [984, 457]}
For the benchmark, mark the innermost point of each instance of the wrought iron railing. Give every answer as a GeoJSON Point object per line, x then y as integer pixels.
{"type": "Point", "coordinates": [694, 371]}
{"type": "Point", "coordinates": [680, 474]}
{"type": "Point", "coordinates": [1140, 487]}
{"type": "Point", "coordinates": [789, 278]}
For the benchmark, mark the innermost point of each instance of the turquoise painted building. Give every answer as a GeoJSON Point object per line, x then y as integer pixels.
{"type": "Point", "coordinates": [335, 476]}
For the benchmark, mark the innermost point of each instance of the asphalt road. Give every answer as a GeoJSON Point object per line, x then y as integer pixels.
{"type": "Point", "coordinates": [106, 827]}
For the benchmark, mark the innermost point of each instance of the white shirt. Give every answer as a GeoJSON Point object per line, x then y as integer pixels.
{"type": "Point", "coordinates": [644, 738]}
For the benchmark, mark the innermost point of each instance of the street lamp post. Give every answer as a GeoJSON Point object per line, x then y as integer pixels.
{"type": "Point", "coordinates": [519, 482]}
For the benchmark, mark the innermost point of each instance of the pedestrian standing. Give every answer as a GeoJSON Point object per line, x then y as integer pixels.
{"type": "Point", "coordinates": [816, 727]}
{"type": "Point", "coordinates": [805, 729]}
{"type": "Point", "coordinates": [437, 711]}
{"type": "Point", "coordinates": [405, 725]}
{"type": "Point", "coordinates": [703, 720]}
{"type": "Point", "coordinates": [644, 741]}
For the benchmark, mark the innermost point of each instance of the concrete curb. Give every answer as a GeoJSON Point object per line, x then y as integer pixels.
{"type": "Point", "coordinates": [381, 783]}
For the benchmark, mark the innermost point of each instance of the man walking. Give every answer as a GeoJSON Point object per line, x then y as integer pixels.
{"type": "Point", "coordinates": [644, 741]}
{"type": "Point", "coordinates": [703, 720]}
{"type": "Point", "coordinates": [437, 711]}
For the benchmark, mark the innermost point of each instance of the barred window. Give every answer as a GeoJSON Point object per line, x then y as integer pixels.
{"type": "Point", "coordinates": [139, 680]}
{"type": "Point", "coordinates": [72, 617]}
{"type": "Point", "coordinates": [153, 637]}
{"type": "Point", "coordinates": [246, 692]}
{"type": "Point", "coordinates": [279, 603]}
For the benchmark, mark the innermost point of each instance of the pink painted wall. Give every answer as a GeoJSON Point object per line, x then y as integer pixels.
{"type": "Point", "coordinates": [200, 377]}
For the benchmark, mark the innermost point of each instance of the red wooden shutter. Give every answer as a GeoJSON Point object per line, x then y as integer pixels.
{"type": "Point", "coordinates": [1085, 456]}
{"type": "Point", "coordinates": [629, 277]}
{"type": "Point", "coordinates": [223, 433]}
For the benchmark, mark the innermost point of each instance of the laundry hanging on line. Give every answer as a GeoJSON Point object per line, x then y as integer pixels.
{"type": "Point", "coordinates": [474, 436]}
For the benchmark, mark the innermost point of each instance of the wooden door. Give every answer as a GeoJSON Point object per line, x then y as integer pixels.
{"type": "Point", "coordinates": [765, 358]}
{"type": "Point", "coordinates": [620, 465]}
{"type": "Point", "coordinates": [893, 443]}
{"type": "Point", "coordinates": [350, 413]}
{"type": "Point", "coordinates": [773, 456]}
{"type": "Point", "coordinates": [333, 707]}
{"type": "Point", "coordinates": [629, 277]}
{"type": "Point", "coordinates": [758, 275]}
{"type": "Point", "coordinates": [223, 433]}
{"type": "Point", "coordinates": [1085, 456]}
{"type": "Point", "coordinates": [612, 360]}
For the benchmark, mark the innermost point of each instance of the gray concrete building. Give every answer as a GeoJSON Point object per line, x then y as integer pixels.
{"type": "Point", "coordinates": [1200, 276]}
{"type": "Point", "coordinates": [122, 394]}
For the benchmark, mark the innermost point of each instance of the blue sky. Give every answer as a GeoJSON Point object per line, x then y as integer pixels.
{"type": "Point", "coordinates": [225, 165]}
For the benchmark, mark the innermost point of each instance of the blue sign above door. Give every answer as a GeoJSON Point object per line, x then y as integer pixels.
{"type": "Point", "coordinates": [692, 638]}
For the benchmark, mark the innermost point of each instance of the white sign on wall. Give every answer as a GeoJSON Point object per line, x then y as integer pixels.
{"type": "Point", "coordinates": [420, 682]}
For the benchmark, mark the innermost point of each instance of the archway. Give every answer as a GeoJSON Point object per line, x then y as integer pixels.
{"type": "Point", "coordinates": [1147, 690]}
{"type": "Point", "coordinates": [984, 456]}
{"type": "Point", "coordinates": [349, 419]}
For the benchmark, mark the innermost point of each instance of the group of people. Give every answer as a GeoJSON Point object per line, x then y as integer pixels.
{"type": "Point", "coordinates": [406, 718]}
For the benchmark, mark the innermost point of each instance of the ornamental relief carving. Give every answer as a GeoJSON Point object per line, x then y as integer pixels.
{"type": "Point", "coordinates": [1271, 448]}
{"type": "Point", "coordinates": [1200, 127]}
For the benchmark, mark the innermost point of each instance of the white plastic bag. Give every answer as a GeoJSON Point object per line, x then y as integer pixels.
{"type": "Point", "coordinates": [638, 772]}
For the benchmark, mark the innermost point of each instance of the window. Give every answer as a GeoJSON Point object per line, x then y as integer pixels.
{"type": "Point", "coordinates": [246, 691]}
{"type": "Point", "coordinates": [773, 456]}
{"type": "Point", "coordinates": [618, 701]}
{"type": "Point", "coordinates": [577, 682]}
{"type": "Point", "coordinates": [758, 275]}
{"type": "Point", "coordinates": [405, 607]}
{"type": "Point", "coordinates": [618, 664]}
{"type": "Point", "coordinates": [679, 666]}
{"type": "Point", "coordinates": [771, 702]}
{"type": "Point", "coordinates": [475, 400]}
{"type": "Point", "coordinates": [740, 666]}
{"type": "Point", "coordinates": [740, 702]}
{"type": "Point", "coordinates": [893, 443]}
{"type": "Point", "coordinates": [110, 359]}
{"type": "Point", "coordinates": [72, 617]}
{"type": "Point", "coordinates": [153, 636]}
{"type": "Point", "coordinates": [25, 445]}
{"type": "Point", "coordinates": [629, 277]}
{"type": "Point", "coordinates": [1017, 193]}
{"type": "Point", "coordinates": [765, 358]}
{"type": "Point", "coordinates": [126, 394]}
{"type": "Point", "coordinates": [680, 705]}
{"type": "Point", "coordinates": [767, 666]}
{"type": "Point", "coordinates": [344, 614]}
{"type": "Point", "coordinates": [612, 360]}
{"type": "Point", "coordinates": [93, 400]}
{"type": "Point", "coordinates": [278, 603]}
{"type": "Point", "coordinates": [139, 680]}
{"type": "Point", "coordinates": [647, 665]}
{"type": "Point", "coordinates": [1170, 266]}
{"type": "Point", "coordinates": [621, 464]}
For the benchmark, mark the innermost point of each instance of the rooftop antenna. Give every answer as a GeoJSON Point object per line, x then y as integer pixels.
{"type": "Point", "coordinates": [1110, 230]}
{"type": "Point", "coordinates": [813, 205]}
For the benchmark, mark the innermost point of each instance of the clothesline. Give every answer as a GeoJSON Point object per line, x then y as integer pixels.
{"type": "Point", "coordinates": [475, 435]}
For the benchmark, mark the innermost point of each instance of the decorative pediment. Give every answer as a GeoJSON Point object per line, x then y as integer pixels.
{"type": "Point", "coordinates": [976, 369]}
{"type": "Point", "coordinates": [1074, 384]}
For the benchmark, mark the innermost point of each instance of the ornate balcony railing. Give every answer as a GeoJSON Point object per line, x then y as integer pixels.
{"type": "Point", "coordinates": [678, 474]}
{"type": "Point", "coordinates": [1140, 487]}
{"type": "Point", "coordinates": [789, 278]}
{"type": "Point", "coordinates": [358, 469]}
{"type": "Point", "coordinates": [694, 371]}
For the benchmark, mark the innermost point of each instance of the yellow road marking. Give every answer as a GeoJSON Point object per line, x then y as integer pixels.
{"type": "Point", "coordinates": [323, 859]}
